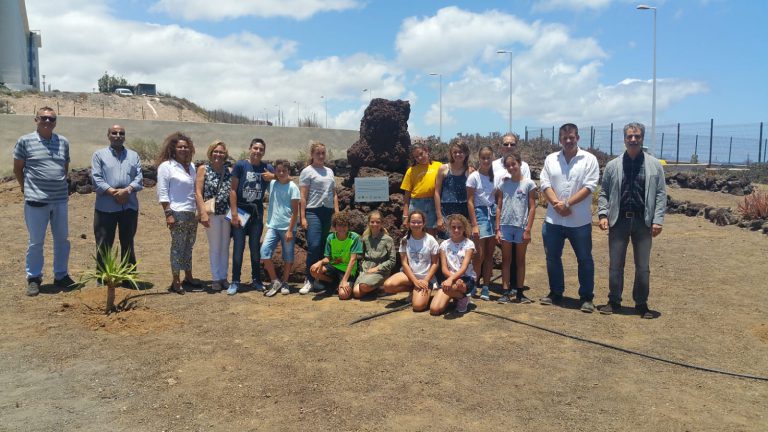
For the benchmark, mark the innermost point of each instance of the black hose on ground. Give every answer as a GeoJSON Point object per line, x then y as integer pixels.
{"type": "Point", "coordinates": [625, 350]}
{"type": "Point", "coordinates": [382, 313]}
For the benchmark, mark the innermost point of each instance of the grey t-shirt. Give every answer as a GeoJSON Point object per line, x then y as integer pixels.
{"type": "Point", "coordinates": [45, 179]}
{"type": "Point", "coordinates": [321, 186]}
{"type": "Point", "coordinates": [514, 206]}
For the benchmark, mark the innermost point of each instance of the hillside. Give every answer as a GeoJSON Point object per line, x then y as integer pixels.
{"type": "Point", "coordinates": [103, 105]}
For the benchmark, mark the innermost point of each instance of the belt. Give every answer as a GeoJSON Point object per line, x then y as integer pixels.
{"type": "Point", "coordinates": [629, 214]}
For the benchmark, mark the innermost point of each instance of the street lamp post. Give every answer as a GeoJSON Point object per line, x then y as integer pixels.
{"type": "Point", "coordinates": [43, 83]}
{"type": "Point", "coordinates": [440, 137]}
{"type": "Point", "coordinates": [326, 110]}
{"type": "Point", "coordinates": [510, 85]}
{"type": "Point", "coordinates": [653, 106]}
{"type": "Point", "coordinates": [370, 94]}
{"type": "Point", "coordinates": [298, 110]}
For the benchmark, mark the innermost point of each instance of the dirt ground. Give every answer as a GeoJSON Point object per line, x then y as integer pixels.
{"type": "Point", "coordinates": [213, 362]}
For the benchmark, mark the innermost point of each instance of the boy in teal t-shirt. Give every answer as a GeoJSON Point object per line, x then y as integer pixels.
{"type": "Point", "coordinates": [282, 217]}
{"type": "Point", "coordinates": [337, 270]}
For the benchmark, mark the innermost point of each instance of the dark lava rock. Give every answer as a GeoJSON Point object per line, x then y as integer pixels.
{"type": "Point", "coordinates": [384, 140]}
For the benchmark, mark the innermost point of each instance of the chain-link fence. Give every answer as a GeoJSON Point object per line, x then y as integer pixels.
{"type": "Point", "coordinates": [705, 142]}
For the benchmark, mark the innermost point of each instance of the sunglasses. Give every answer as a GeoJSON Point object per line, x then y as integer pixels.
{"type": "Point", "coordinates": [117, 133]}
{"type": "Point", "coordinates": [48, 119]}
{"type": "Point", "coordinates": [509, 144]}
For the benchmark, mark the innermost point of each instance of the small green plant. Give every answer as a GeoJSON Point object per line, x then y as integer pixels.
{"type": "Point", "coordinates": [694, 158]}
{"type": "Point", "coordinates": [147, 149]}
{"type": "Point", "coordinates": [754, 206]}
{"type": "Point", "coordinates": [112, 273]}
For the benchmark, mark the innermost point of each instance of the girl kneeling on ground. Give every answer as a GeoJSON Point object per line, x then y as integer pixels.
{"type": "Point", "coordinates": [378, 257]}
{"type": "Point", "coordinates": [418, 253]}
{"type": "Point", "coordinates": [456, 265]}
{"type": "Point", "coordinates": [335, 272]}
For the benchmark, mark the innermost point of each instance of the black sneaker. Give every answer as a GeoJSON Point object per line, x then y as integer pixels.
{"type": "Point", "coordinates": [609, 308]}
{"type": "Point", "coordinates": [644, 312]}
{"type": "Point", "coordinates": [33, 286]}
{"type": "Point", "coordinates": [551, 299]}
{"type": "Point", "coordinates": [521, 298]}
{"type": "Point", "coordinates": [66, 283]}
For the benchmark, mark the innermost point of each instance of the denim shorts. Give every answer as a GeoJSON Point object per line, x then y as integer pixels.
{"type": "Point", "coordinates": [486, 218]}
{"type": "Point", "coordinates": [269, 245]}
{"type": "Point", "coordinates": [512, 234]}
{"type": "Point", "coordinates": [426, 205]}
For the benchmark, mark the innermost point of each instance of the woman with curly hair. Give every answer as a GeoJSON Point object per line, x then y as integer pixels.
{"type": "Point", "coordinates": [176, 193]}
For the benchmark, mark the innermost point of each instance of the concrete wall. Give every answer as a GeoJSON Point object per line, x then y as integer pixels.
{"type": "Point", "coordinates": [89, 134]}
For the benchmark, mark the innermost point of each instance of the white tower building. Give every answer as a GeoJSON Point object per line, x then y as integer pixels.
{"type": "Point", "coordinates": [19, 65]}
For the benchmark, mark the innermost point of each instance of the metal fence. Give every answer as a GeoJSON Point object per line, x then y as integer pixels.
{"type": "Point", "coordinates": [704, 142]}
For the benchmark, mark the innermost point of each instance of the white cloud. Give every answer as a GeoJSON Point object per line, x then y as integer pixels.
{"type": "Point", "coordinates": [454, 37]}
{"type": "Point", "coordinates": [242, 73]}
{"type": "Point", "coordinates": [555, 77]}
{"type": "Point", "coordinates": [227, 9]}
{"type": "Point", "coordinates": [551, 5]}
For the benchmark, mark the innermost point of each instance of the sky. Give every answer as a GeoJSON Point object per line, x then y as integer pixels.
{"type": "Point", "coordinates": [583, 61]}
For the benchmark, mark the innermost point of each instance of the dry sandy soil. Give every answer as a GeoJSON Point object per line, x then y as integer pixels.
{"type": "Point", "coordinates": [212, 362]}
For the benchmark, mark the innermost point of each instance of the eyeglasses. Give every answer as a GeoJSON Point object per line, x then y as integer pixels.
{"type": "Point", "coordinates": [117, 133]}
{"type": "Point", "coordinates": [49, 119]}
{"type": "Point", "coordinates": [635, 137]}
{"type": "Point", "coordinates": [508, 144]}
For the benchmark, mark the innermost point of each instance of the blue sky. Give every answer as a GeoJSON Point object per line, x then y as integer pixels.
{"type": "Point", "coordinates": [587, 62]}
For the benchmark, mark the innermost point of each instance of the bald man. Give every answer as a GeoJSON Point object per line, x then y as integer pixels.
{"type": "Point", "coordinates": [116, 173]}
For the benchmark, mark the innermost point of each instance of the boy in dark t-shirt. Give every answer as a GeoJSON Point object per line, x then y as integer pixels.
{"type": "Point", "coordinates": [250, 178]}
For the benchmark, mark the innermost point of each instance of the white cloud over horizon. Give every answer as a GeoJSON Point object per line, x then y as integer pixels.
{"type": "Point", "coordinates": [206, 10]}
{"type": "Point", "coordinates": [556, 76]}
{"type": "Point", "coordinates": [215, 72]}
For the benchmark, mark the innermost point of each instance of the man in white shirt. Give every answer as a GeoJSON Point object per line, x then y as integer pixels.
{"type": "Point", "coordinates": [507, 147]}
{"type": "Point", "coordinates": [568, 179]}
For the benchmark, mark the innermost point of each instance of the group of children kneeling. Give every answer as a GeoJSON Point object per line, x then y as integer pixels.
{"type": "Point", "coordinates": [503, 209]}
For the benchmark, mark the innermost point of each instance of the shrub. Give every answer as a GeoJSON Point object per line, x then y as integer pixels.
{"type": "Point", "coordinates": [755, 206]}
{"type": "Point", "coordinates": [147, 149]}
{"type": "Point", "coordinates": [112, 272]}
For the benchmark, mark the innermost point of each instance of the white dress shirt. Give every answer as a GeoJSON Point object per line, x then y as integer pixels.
{"type": "Point", "coordinates": [176, 186]}
{"type": "Point", "coordinates": [566, 179]}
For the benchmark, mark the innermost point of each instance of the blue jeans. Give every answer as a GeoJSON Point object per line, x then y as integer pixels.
{"type": "Point", "coordinates": [253, 229]}
{"type": "Point", "coordinates": [581, 241]}
{"type": "Point", "coordinates": [318, 227]}
{"type": "Point", "coordinates": [37, 219]}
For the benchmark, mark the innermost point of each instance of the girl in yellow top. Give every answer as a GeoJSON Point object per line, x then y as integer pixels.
{"type": "Point", "coordinates": [419, 185]}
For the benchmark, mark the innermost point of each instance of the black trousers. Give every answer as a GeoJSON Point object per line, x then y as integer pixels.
{"type": "Point", "coordinates": [104, 226]}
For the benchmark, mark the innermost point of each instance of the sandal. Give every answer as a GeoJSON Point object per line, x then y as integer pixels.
{"type": "Point", "coordinates": [178, 289]}
{"type": "Point", "coordinates": [192, 284]}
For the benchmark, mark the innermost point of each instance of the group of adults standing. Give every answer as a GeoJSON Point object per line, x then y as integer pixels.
{"type": "Point", "coordinates": [631, 206]}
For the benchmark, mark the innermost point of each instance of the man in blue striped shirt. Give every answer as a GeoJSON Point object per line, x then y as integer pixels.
{"type": "Point", "coordinates": [40, 164]}
{"type": "Point", "coordinates": [116, 174]}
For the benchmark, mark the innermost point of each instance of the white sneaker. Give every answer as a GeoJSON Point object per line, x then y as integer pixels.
{"type": "Point", "coordinates": [233, 287]}
{"type": "Point", "coordinates": [273, 288]}
{"type": "Point", "coordinates": [306, 288]}
{"type": "Point", "coordinates": [285, 289]}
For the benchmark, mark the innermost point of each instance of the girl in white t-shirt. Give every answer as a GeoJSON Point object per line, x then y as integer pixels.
{"type": "Point", "coordinates": [456, 265]}
{"type": "Point", "coordinates": [418, 253]}
{"type": "Point", "coordinates": [516, 209]}
{"type": "Point", "coordinates": [482, 214]}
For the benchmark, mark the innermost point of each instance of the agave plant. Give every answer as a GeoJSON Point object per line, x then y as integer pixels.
{"type": "Point", "coordinates": [112, 272]}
